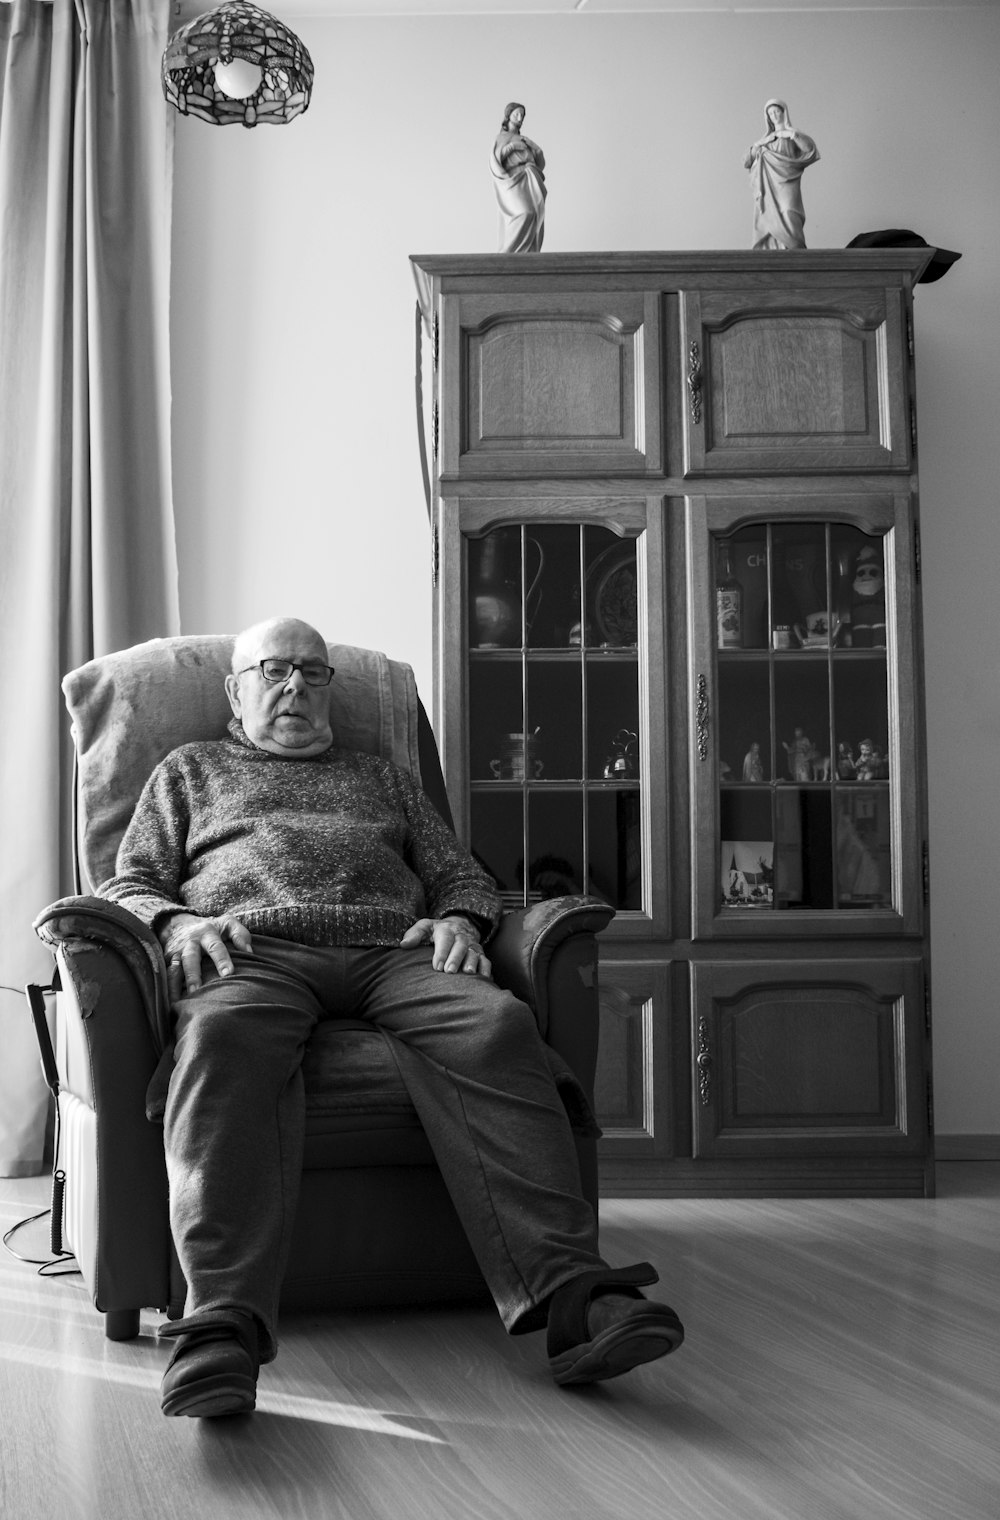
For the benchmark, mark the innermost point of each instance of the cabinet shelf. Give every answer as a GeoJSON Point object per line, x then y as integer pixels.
{"type": "Point", "coordinates": [802, 656]}
{"type": "Point", "coordinates": [572, 656]}
{"type": "Point", "coordinates": [572, 784]}
{"type": "Point", "coordinates": [784, 783]}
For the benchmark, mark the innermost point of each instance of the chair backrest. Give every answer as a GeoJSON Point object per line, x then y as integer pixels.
{"type": "Point", "coordinates": [130, 709]}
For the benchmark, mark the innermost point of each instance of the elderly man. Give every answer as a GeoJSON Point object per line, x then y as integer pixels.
{"type": "Point", "coordinates": [290, 881]}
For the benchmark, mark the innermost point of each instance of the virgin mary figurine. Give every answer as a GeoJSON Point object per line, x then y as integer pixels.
{"type": "Point", "coordinates": [517, 165]}
{"type": "Point", "coordinates": [776, 162]}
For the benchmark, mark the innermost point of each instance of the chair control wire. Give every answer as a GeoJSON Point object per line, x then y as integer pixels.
{"type": "Point", "coordinates": [53, 1265]}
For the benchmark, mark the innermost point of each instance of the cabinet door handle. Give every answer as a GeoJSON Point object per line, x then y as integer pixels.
{"type": "Point", "coordinates": [701, 717]}
{"type": "Point", "coordinates": [704, 1063]}
{"type": "Point", "coordinates": [694, 381]}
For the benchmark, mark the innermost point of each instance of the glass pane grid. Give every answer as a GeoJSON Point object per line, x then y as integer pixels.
{"type": "Point", "coordinates": [803, 718]}
{"type": "Point", "coordinates": [554, 711]}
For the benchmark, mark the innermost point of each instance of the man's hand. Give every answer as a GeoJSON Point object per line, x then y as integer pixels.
{"type": "Point", "coordinates": [186, 939]}
{"type": "Point", "coordinates": [456, 944]}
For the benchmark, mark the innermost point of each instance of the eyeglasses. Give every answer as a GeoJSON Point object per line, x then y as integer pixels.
{"type": "Point", "coordinates": [314, 673]}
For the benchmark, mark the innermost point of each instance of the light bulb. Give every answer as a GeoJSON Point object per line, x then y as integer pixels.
{"type": "Point", "coordinates": [238, 79]}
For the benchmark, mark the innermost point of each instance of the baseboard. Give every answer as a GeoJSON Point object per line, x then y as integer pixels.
{"type": "Point", "coordinates": [967, 1147]}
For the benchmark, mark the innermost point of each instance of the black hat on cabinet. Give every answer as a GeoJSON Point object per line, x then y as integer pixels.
{"type": "Point", "coordinates": [901, 237]}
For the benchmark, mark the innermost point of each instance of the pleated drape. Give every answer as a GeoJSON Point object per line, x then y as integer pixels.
{"type": "Point", "coordinates": [87, 556]}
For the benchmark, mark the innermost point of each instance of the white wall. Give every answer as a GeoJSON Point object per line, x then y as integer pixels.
{"type": "Point", "coordinates": [296, 468]}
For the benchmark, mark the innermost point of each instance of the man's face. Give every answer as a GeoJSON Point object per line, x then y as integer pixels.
{"type": "Point", "coordinates": [287, 718]}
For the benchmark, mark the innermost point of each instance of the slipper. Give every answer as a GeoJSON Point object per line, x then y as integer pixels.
{"type": "Point", "coordinates": [213, 1370]}
{"type": "Point", "coordinates": [642, 1334]}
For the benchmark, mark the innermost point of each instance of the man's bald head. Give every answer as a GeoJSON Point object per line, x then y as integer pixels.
{"type": "Point", "coordinates": [255, 643]}
{"type": "Point", "coordinates": [289, 717]}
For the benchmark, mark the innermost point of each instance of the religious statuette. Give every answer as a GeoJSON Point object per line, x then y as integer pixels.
{"type": "Point", "coordinates": [518, 166]}
{"type": "Point", "coordinates": [800, 756]}
{"type": "Point", "coordinates": [753, 766]}
{"type": "Point", "coordinates": [776, 162]}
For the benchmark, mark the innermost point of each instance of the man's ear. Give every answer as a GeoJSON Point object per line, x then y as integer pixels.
{"type": "Point", "coordinates": [233, 693]}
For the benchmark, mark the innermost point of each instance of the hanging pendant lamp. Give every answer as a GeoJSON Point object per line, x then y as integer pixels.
{"type": "Point", "coordinates": [237, 64]}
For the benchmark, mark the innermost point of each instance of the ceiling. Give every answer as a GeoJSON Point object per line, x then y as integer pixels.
{"type": "Point", "coordinates": [323, 8]}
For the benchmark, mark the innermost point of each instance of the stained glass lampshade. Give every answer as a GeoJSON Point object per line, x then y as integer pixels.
{"type": "Point", "coordinates": [237, 64]}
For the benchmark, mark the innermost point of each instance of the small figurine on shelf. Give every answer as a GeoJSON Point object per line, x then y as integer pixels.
{"type": "Point", "coordinates": [753, 769]}
{"type": "Point", "coordinates": [845, 762]}
{"type": "Point", "coordinates": [819, 765]}
{"type": "Point", "coordinates": [800, 753]}
{"type": "Point", "coordinates": [868, 600]}
{"type": "Point", "coordinates": [867, 767]}
{"type": "Point", "coordinates": [623, 764]}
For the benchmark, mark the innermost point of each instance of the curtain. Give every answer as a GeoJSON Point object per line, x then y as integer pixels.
{"type": "Point", "coordinates": [87, 556]}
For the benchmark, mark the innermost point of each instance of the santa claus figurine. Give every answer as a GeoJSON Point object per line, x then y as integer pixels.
{"type": "Point", "coordinates": [868, 600]}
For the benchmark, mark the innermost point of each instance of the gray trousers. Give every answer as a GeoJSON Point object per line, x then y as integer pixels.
{"type": "Point", "coordinates": [473, 1063]}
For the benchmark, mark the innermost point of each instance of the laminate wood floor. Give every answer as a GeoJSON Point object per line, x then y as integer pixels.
{"type": "Point", "coordinates": [842, 1363]}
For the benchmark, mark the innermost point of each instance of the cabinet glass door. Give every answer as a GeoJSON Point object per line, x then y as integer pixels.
{"type": "Point", "coordinates": [803, 722]}
{"type": "Point", "coordinates": [806, 739]}
{"type": "Point", "coordinates": [555, 733]}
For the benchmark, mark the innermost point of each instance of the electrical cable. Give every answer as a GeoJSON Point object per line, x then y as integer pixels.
{"type": "Point", "coordinates": [45, 1265]}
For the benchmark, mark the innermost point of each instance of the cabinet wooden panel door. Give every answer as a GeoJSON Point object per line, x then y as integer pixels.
{"type": "Point", "coordinates": [634, 1084]}
{"type": "Point", "coordinates": [550, 384]}
{"type": "Point", "coordinates": [795, 380]}
{"type": "Point", "coordinates": [811, 1058]}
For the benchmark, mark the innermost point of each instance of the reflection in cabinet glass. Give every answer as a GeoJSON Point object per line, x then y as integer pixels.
{"type": "Point", "coordinates": [553, 709]}
{"type": "Point", "coordinates": [803, 718]}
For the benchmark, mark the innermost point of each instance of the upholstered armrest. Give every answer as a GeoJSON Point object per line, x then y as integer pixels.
{"type": "Point", "coordinates": [77, 921]}
{"type": "Point", "coordinates": [523, 948]}
{"type": "Point", "coordinates": [111, 1026]}
{"type": "Point", "coordinates": [547, 956]}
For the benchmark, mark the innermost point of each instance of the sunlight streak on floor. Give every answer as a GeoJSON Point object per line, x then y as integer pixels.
{"type": "Point", "coordinates": [65, 1363]}
{"type": "Point", "coordinates": [291, 1405]}
{"type": "Point", "coordinates": [350, 1416]}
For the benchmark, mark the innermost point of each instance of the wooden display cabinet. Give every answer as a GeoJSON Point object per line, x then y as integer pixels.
{"type": "Point", "coordinates": [678, 667]}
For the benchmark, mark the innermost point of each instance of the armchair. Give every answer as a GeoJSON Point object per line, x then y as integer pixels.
{"type": "Point", "coordinates": [375, 1224]}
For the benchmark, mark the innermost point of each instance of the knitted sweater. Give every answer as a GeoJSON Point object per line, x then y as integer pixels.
{"type": "Point", "coordinates": [340, 849]}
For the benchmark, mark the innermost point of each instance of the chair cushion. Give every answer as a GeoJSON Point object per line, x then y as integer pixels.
{"type": "Point", "coordinates": [359, 1113]}
{"type": "Point", "coordinates": [130, 709]}
{"type": "Point", "coordinates": [349, 1068]}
